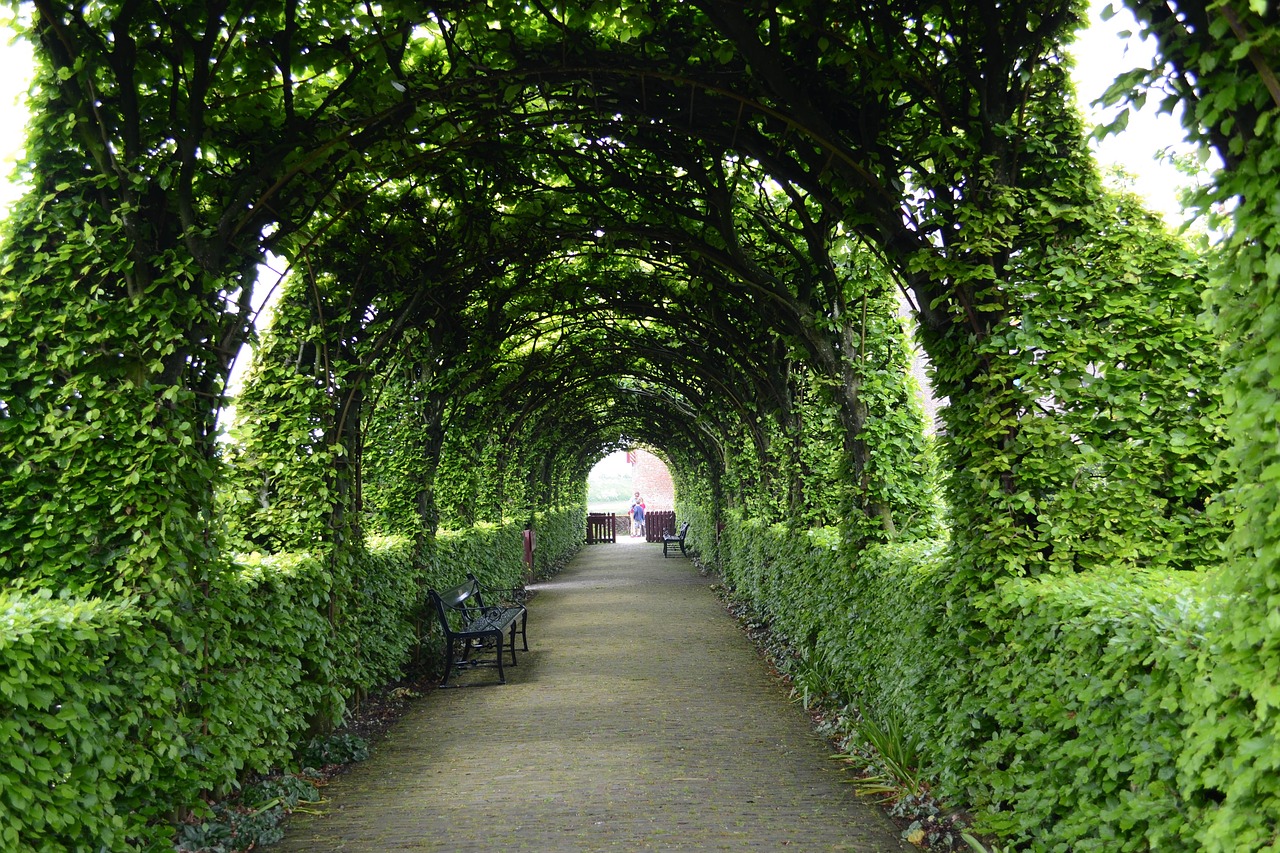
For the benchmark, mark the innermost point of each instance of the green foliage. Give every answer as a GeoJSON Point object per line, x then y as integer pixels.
{"type": "Point", "coordinates": [491, 287]}
{"type": "Point", "coordinates": [230, 830]}
{"type": "Point", "coordinates": [1123, 462]}
{"type": "Point", "coordinates": [895, 758]}
{"type": "Point", "coordinates": [104, 439]}
{"type": "Point", "coordinates": [1228, 767]}
{"type": "Point", "coordinates": [279, 494]}
{"type": "Point", "coordinates": [382, 627]}
{"type": "Point", "coordinates": [833, 603]}
{"type": "Point", "coordinates": [398, 467]}
{"type": "Point", "coordinates": [334, 749]}
{"type": "Point", "coordinates": [86, 724]}
{"type": "Point", "coordinates": [491, 551]}
{"type": "Point", "coordinates": [251, 820]}
{"type": "Point", "coordinates": [1083, 703]}
{"type": "Point", "coordinates": [473, 485]}
{"type": "Point", "coordinates": [289, 790]}
{"type": "Point", "coordinates": [978, 847]}
{"type": "Point", "coordinates": [1062, 725]}
{"type": "Point", "coordinates": [1223, 58]}
{"type": "Point", "coordinates": [113, 727]}
{"type": "Point", "coordinates": [696, 504]}
{"type": "Point", "coordinates": [560, 533]}
{"type": "Point", "coordinates": [1096, 426]}
{"type": "Point", "coordinates": [269, 662]}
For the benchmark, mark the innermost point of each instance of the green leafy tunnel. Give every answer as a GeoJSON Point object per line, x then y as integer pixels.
{"type": "Point", "coordinates": [521, 236]}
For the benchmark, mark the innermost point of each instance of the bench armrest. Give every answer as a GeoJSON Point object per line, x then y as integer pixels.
{"type": "Point", "coordinates": [513, 596]}
{"type": "Point", "coordinates": [470, 613]}
{"type": "Point", "coordinates": [510, 596]}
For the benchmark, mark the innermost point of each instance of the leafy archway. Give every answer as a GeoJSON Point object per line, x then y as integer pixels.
{"type": "Point", "coordinates": [523, 236]}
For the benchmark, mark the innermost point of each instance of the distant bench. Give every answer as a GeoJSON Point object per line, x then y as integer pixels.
{"type": "Point", "coordinates": [669, 539]}
{"type": "Point", "coordinates": [465, 619]}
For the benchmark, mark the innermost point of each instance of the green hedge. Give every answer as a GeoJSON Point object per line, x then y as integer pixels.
{"type": "Point", "coordinates": [1082, 704]}
{"type": "Point", "coordinates": [861, 624]}
{"type": "Point", "coordinates": [1060, 717]}
{"type": "Point", "coordinates": [79, 719]}
{"type": "Point", "coordinates": [267, 665]}
{"type": "Point", "coordinates": [561, 532]}
{"type": "Point", "coordinates": [118, 718]}
{"type": "Point", "coordinates": [1231, 764]}
{"type": "Point", "coordinates": [387, 591]}
{"type": "Point", "coordinates": [113, 719]}
{"type": "Point", "coordinates": [702, 539]}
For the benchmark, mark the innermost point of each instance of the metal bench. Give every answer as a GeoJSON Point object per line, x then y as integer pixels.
{"type": "Point", "coordinates": [468, 623]}
{"type": "Point", "coordinates": [669, 539]}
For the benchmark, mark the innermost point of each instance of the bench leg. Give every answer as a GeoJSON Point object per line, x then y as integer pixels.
{"type": "Point", "coordinates": [524, 637]}
{"type": "Point", "coordinates": [502, 676]}
{"type": "Point", "coordinates": [448, 662]}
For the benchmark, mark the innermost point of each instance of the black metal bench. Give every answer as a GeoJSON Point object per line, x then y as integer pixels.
{"type": "Point", "coordinates": [669, 539]}
{"type": "Point", "coordinates": [467, 622]}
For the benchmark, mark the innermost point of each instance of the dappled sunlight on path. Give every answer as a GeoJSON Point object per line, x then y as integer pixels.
{"type": "Point", "coordinates": [640, 719]}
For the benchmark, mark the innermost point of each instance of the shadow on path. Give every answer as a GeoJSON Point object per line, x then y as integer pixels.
{"type": "Point", "coordinates": [640, 719]}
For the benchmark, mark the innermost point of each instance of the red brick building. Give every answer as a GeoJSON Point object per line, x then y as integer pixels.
{"type": "Point", "coordinates": [650, 477]}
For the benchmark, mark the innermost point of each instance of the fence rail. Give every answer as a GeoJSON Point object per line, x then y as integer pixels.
{"type": "Point", "coordinates": [657, 523]}
{"type": "Point", "coordinates": [601, 527]}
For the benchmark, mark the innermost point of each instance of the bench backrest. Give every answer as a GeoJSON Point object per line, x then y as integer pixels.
{"type": "Point", "coordinates": [684, 528]}
{"type": "Point", "coordinates": [455, 600]}
{"type": "Point", "coordinates": [458, 595]}
{"type": "Point", "coordinates": [479, 591]}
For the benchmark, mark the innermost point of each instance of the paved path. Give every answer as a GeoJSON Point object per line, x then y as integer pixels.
{"type": "Point", "coordinates": [640, 719]}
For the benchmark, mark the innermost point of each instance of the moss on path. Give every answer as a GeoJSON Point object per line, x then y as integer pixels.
{"type": "Point", "coordinates": [640, 719]}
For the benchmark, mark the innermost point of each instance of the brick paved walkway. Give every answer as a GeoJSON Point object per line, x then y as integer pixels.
{"type": "Point", "coordinates": [640, 719]}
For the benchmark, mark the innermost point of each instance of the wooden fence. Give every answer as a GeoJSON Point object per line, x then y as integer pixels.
{"type": "Point", "coordinates": [657, 523]}
{"type": "Point", "coordinates": [601, 527]}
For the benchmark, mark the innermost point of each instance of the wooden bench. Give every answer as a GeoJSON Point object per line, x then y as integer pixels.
{"type": "Point", "coordinates": [468, 621]}
{"type": "Point", "coordinates": [669, 539]}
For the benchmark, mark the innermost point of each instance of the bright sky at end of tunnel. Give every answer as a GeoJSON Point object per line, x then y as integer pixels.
{"type": "Point", "coordinates": [1101, 54]}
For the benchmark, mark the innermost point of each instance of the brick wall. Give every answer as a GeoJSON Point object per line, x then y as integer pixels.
{"type": "Point", "coordinates": [650, 476]}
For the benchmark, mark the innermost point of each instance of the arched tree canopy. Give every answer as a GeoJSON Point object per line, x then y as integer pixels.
{"type": "Point", "coordinates": [522, 235]}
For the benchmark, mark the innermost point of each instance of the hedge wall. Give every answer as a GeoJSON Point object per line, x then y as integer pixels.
{"type": "Point", "coordinates": [694, 504]}
{"type": "Point", "coordinates": [127, 716]}
{"type": "Point", "coordinates": [1064, 727]}
{"type": "Point", "coordinates": [115, 719]}
{"type": "Point", "coordinates": [561, 532]}
{"type": "Point", "coordinates": [74, 697]}
{"type": "Point", "coordinates": [861, 624]}
{"type": "Point", "coordinates": [1083, 702]}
